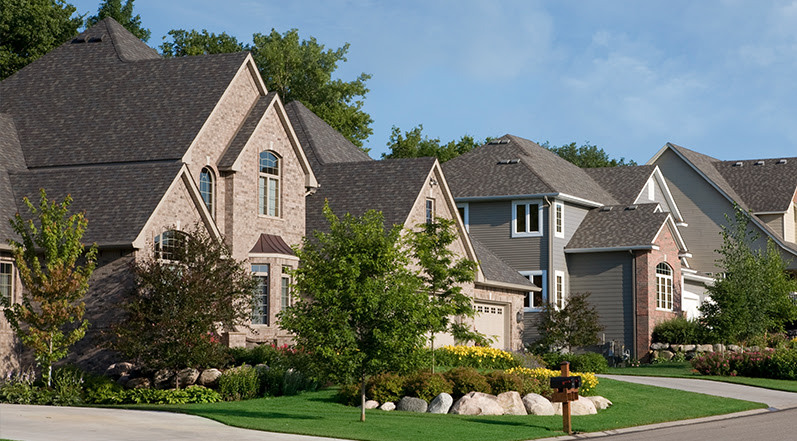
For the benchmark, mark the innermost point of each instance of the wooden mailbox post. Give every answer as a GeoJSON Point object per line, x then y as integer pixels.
{"type": "Point", "coordinates": [566, 391]}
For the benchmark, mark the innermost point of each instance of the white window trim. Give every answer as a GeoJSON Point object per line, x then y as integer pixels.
{"type": "Point", "coordinates": [557, 206]}
{"type": "Point", "coordinates": [669, 277]}
{"type": "Point", "coordinates": [540, 224]}
{"type": "Point", "coordinates": [13, 279]}
{"type": "Point", "coordinates": [544, 287]}
{"type": "Point", "coordinates": [429, 211]}
{"type": "Point", "coordinates": [262, 211]}
{"type": "Point", "coordinates": [651, 190]}
{"type": "Point", "coordinates": [466, 210]}
{"type": "Point", "coordinates": [559, 295]}
{"type": "Point", "coordinates": [267, 275]}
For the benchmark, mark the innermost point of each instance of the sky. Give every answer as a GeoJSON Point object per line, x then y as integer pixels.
{"type": "Point", "coordinates": [715, 76]}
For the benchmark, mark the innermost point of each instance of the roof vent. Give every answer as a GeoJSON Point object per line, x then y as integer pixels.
{"type": "Point", "coordinates": [508, 161]}
{"type": "Point", "coordinates": [782, 161]}
{"type": "Point", "coordinates": [498, 141]}
{"type": "Point", "coordinates": [79, 40]}
{"type": "Point", "coordinates": [759, 163]}
{"type": "Point", "coordinates": [95, 39]}
{"type": "Point", "coordinates": [738, 164]}
{"type": "Point", "coordinates": [606, 208]}
{"type": "Point", "coordinates": [631, 207]}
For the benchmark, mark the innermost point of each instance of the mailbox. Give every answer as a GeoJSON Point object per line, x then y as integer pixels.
{"type": "Point", "coordinates": [563, 383]}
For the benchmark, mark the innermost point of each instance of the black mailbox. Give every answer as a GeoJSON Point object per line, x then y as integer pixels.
{"type": "Point", "coordinates": [563, 383]}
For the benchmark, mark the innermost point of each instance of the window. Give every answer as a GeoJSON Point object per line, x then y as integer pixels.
{"type": "Point", "coordinates": [651, 191]}
{"type": "Point", "coordinates": [207, 188]}
{"type": "Point", "coordinates": [269, 184]}
{"type": "Point", "coordinates": [664, 287]}
{"type": "Point", "coordinates": [260, 309]}
{"type": "Point", "coordinates": [526, 219]}
{"type": "Point", "coordinates": [7, 281]}
{"type": "Point", "coordinates": [464, 210]}
{"type": "Point", "coordinates": [559, 210]}
{"type": "Point", "coordinates": [429, 211]}
{"type": "Point", "coordinates": [169, 245]}
{"type": "Point", "coordinates": [535, 300]}
{"type": "Point", "coordinates": [559, 290]}
{"type": "Point", "coordinates": [285, 297]}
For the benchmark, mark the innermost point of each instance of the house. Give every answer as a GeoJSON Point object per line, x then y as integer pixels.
{"type": "Point", "coordinates": [706, 190]}
{"type": "Point", "coordinates": [150, 147]}
{"type": "Point", "coordinates": [408, 192]}
{"type": "Point", "coordinates": [612, 232]}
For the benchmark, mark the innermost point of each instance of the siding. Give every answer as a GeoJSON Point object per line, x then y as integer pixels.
{"type": "Point", "coordinates": [490, 223]}
{"type": "Point", "coordinates": [608, 277]}
{"type": "Point", "coordinates": [790, 227]}
{"type": "Point", "coordinates": [573, 216]}
{"type": "Point", "coordinates": [774, 221]}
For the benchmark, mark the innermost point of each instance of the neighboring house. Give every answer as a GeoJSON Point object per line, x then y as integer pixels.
{"type": "Point", "coordinates": [408, 192]}
{"type": "Point", "coordinates": [706, 189]}
{"type": "Point", "coordinates": [148, 148]}
{"type": "Point", "coordinates": [611, 232]}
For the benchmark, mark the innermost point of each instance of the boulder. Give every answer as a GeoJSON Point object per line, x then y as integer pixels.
{"type": "Point", "coordinates": [753, 349]}
{"type": "Point", "coordinates": [209, 378]}
{"type": "Point", "coordinates": [659, 346]}
{"type": "Point", "coordinates": [719, 347]}
{"type": "Point", "coordinates": [688, 348]}
{"type": "Point", "coordinates": [116, 370]}
{"type": "Point", "coordinates": [666, 355]}
{"type": "Point", "coordinates": [583, 406]}
{"type": "Point", "coordinates": [163, 379]}
{"type": "Point", "coordinates": [734, 348]}
{"type": "Point", "coordinates": [187, 377]}
{"type": "Point", "coordinates": [387, 407]}
{"type": "Point", "coordinates": [705, 348]}
{"type": "Point", "coordinates": [512, 403]}
{"type": "Point", "coordinates": [441, 403]}
{"type": "Point", "coordinates": [412, 404]}
{"type": "Point", "coordinates": [124, 379]}
{"type": "Point", "coordinates": [536, 404]}
{"type": "Point", "coordinates": [139, 383]}
{"type": "Point", "coordinates": [600, 402]}
{"type": "Point", "coordinates": [370, 404]}
{"type": "Point", "coordinates": [676, 348]}
{"type": "Point", "coordinates": [477, 403]}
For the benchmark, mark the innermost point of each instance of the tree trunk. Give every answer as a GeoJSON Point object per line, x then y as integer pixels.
{"type": "Point", "coordinates": [432, 344]}
{"type": "Point", "coordinates": [362, 399]}
{"type": "Point", "coordinates": [50, 364]}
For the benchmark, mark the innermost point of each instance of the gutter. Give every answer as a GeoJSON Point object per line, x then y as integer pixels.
{"type": "Point", "coordinates": [507, 285]}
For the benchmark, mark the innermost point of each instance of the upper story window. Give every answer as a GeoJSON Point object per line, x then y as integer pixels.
{"type": "Point", "coordinates": [269, 184]}
{"type": "Point", "coordinates": [664, 287]}
{"type": "Point", "coordinates": [464, 214]}
{"type": "Point", "coordinates": [170, 245]}
{"type": "Point", "coordinates": [559, 290]}
{"type": "Point", "coordinates": [285, 295]}
{"type": "Point", "coordinates": [260, 308]}
{"type": "Point", "coordinates": [207, 188]}
{"type": "Point", "coordinates": [526, 218]}
{"type": "Point", "coordinates": [559, 221]}
{"type": "Point", "coordinates": [7, 281]}
{"type": "Point", "coordinates": [429, 211]}
{"type": "Point", "coordinates": [535, 300]}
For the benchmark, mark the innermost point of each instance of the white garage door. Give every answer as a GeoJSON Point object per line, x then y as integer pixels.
{"type": "Point", "coordinates": [491, 321]}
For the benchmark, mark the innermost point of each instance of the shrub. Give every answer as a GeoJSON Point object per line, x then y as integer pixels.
{"type": "Point", "coordinates": [477, 357]}
{"type": "Point", "coordinates": [501, 382]}
{"type": "Point", "coordinates": [531, 360]}
{"type": "Point", "coordinates": [385, 387]}
{"type": "Point", "coordinates": [588, 379]}
{"type": "Point", "coordinates": [349, 394]}
{"type": "Point", "coordinates": [241, 383]}
{"type": "Point", "coordinates": [67, 387]}
{"type": "Point", "coordinates": [18, 387]}
{"type": "Point", "coordinates": [783, 364]}
{"type": "Point", "coordinates": [681, 331]}
{"type": "Point", "coordinates": [427, 386]}
{"type": "Point", "coordinates": [587, 362]}
{"type": "Point", "coordinates": [278, 381]}
{"type": "Point", "coordinates": [466, 379]}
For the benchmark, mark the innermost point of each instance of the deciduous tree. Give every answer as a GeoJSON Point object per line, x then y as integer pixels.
{"type": "Point", "coordinates": [55, 268]}
{"type": "Point", "coordinates": [194, 42]}
{"type": "Point", "coordinates": [122, 13]}
{"type": "Point", "coordinates": [586, 155]}
{"type": "Point", "coordinates": [577, 324]}
{"type": "Point", "coordinates": [414, 144]}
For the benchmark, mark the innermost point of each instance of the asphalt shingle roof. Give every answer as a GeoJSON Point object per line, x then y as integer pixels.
{"type": "Point", "coordinates": [321, 143]}
{"type": "Point", "coordinates": [10, 160]}
{"type": "Point", "coordinates": [245, 132]}
{"type": "Point", "coordinates": [479, 173]}
{"type": "Point", "coordinates": [766, 187]}
{"type": "Point", "coordinates": [623, 183]}
{"type": "Point", "coordinates": [495, 269]}
{"type": "Point", "coordinates": [113, 100]}
{"type": "Point", "coordinates": [618, 226]}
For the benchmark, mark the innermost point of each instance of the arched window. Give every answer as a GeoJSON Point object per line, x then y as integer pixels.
{"type": "Point", "coordinates": [664, 286]}
{"type": "Point", "coordinates": [269, 184]}
{"type": "Point", "coordinates": [207, 188]}
{"type": "Point", "coordinates": [170, 245]}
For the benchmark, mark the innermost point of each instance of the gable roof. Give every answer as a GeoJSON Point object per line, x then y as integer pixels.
{"type": "Point", "coordinates": [620, 227]}
{"type": "Point", "coordinates": [512, 166]}
{"type": "Point", "coordinates": [322, 144]}
{"type": "Point", "coordinates": [246, 130]}
{"type": "Point", "coordinates": [496, 269]}
{"type": "Point", "coordinates": [106, 97]}
{"type": "Point", "coordinates": [623, 183]}
{"type": "Point", "coordinates": [11, 160]}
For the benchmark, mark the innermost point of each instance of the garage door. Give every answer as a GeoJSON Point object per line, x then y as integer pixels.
{"type": "Point", "coordinates": [491, 321]}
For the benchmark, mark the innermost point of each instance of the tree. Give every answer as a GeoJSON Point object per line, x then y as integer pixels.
{"type": "Point", "coordinates": [752, 296]}
{"type": "Point", "coordinates": [574, 325]}
{"type": "Point", "coordinates": [363, 313]}
{"type": "Point", "coordinates": [413, 144]}
{"type": "Point", "coordinates": [49, 318]}
{"type": "Point", "coordinates": [30, 29]}
{"type": "Point", "coordinates": [586, 156]}
{"type": "Point", "coordinates": [192, 42]}
{"type": "Point", "coordinates": [297, 70]}
{"type": "Point", "coordinates": [123, 14]}
{"type": "Point", "coordinates": [183, 298]}
{"type": "Point", "coordinates": [442, 275]}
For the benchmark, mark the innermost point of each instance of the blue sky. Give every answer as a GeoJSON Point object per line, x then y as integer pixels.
{"type": "Point", "coordinates": [716, 76]}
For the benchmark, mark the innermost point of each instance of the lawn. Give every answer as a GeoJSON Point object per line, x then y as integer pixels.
{"type": "Point", "coordinates": [318, 414]}
{"type": "Point", "coordinates": [684, 370]}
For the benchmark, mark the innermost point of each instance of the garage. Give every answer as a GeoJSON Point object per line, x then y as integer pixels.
{"type": "Point", "coordinates": [491, 320]}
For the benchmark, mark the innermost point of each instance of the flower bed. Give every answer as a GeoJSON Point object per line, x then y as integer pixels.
{"type": "Point", "coordinates": [589, 381]}
{"type": "Point", "coordinates": [777, 364]}
{"type": "Point", "coordinates": [476, 356]}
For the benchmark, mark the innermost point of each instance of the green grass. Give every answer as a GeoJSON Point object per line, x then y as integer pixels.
{"type": "Point", "coordinates": [318, 414]}
{"type": "Point", "coordinates": [684, 370]}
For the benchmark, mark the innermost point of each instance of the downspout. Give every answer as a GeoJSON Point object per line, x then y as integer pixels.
{"type": "Point", "coordinates": [551, 285]}
{"type": "Point", "coordinates": [633, 303]}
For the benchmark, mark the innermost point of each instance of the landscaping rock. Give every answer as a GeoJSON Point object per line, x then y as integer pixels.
{"type": "Point", "coordinates": [688, 348]}
{"type": "Point", "coordinates": [441, 403]}
{"type": "Point", "coordinates": [659, 346]}
{"type": "Point", "coordinates": [705, 348]}
{"type": "Point", "coordinates": [163, 379]}
{"type": "Point", "coordinates": [370, 404]}
{"type": "Point", "coordinates": [600, 402]}
{"type": "Point", "coordinates": [209, 378]}
{"type": "Point", "coordinates": [676, 348]}
{"type": "Point", "coordinates": [512, 403]}
{"type": "Point", "coordinates": [412, 404]}
{"type": "Point", "coordinates": [666, 355]}
{"type": "Point", "coordinates": [139, 383]}
{"type": "Point", "coordinates": [123, 380]}
{"type": "Point", "coordinates": [719, 347]}
{"type": "Point", "coordinates": [734, 348]}
{"type": "Point", "coordinates": [583, 406]}
{"type": "Point", "coordinates": [387, 407]}
{"type": "Point", "coordinates": [116, 370]}
{"type": "Point", "coordinates": [753, 349]}
{"type": "Point", "coordinates": [477, 403]}
{"type": "Point", "coordinates": [536, 404]}
{"type": "Point", "coordinates": [187, 377]}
